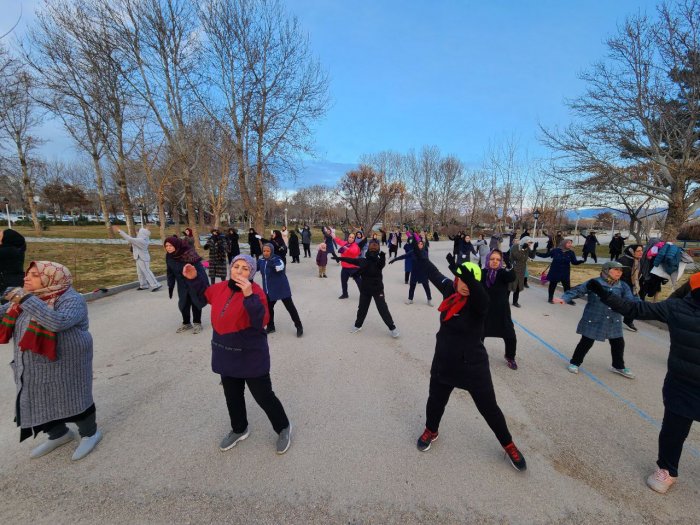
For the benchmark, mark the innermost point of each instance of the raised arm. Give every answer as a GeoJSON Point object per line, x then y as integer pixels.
{"type": "Point", "coordinates": [70, 312]}
{"type": "Point", "coordinates": [198, 283]}
{"type": "Point", "coordinates": [636, 310]}
{"type": "Point", "coordinates": [141, 244]}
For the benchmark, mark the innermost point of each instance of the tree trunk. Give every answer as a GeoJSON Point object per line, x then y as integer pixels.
{"type": "Point", "coordinates": [189, 203]}
{"type": "Point", "coordinates": [99, 182]}
{"type": "Point", "coordinates": [677, 214]}
{"type": "Point", "coordinates": [28, 191]}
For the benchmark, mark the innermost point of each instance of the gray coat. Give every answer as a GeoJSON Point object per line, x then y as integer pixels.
{"type": "Point", "coordinates": [518, 258]}
{"type": "Point", "coordinates": [600, 322]}
{"type": "Point", "coordinates": [51, 390]}
{"type": "Point", "coordinates": [139, 244]}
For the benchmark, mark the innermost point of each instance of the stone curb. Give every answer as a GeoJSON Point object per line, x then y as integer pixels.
{"type": "Point", "coordinates": [93, 296]}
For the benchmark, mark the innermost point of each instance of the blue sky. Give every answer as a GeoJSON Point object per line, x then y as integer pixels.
{"type": "Point", "coordinates": [457, 74]}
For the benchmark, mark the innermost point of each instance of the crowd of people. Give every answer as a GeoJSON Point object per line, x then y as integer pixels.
{"type": "Point", "coordinates": [47, 320]}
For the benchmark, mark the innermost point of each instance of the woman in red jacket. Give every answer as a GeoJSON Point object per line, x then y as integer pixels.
{"type": "Point", "coordinates": [350, 250]}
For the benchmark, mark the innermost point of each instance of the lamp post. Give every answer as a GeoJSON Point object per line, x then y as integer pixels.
{"type": "Point", "coordinates": [7, 211]}
{"type": "Point", "coordinates": [141, 213]}
{"type": "Point", "coordinates": [285, 218]}
{"type": "Point", "coordinates": [536, 215]}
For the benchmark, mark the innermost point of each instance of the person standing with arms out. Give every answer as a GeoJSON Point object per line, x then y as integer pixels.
{"type": "Point", "coordinates": [617, 245]}
{"type": "Point", "coordinates": [560, 269]}
{"type": "Point", "coordinates": [631, 262]}
{"type": "Point", "coordinates": [519, 255]}
{"type": "Point", "coordinates": [417, 271]}
{"type": "Point", "coordinates": [328, 239]}
{"type": "Point", "coordinates": [482, 250]}
{"type": "Point", "coordinates": [254, 243]}
{"type": "Point", "coordinates": [351, 250]}
{"type": "Point", "coordinates": [371, 286]}
{"type": "Point", "coordinates": [681, 390]}
{"type": "Point", "coordinates": [139, 249]}
{"type": "Point", "coordinates": [233, 247]}
{"type": "Point", "coordinates": [599, 322]}
{"type": "Point", "coordinates": [47, 319]}
{"type": "Point", "coordinates": [276, 287]}
{"type": "Point", "coordinates": [496, 279]}
{"type": "Point", "coordinates": [240, 352]}
{"type": "Point", "coordinates": [178, 253]}
{"type": "Point", "coordinates": [322, 260]}
{"type": "Point", "coordinates": [12, 250]}
{"type": "Point", "coordinates": [589, 246]}
{"type": "Point", "coordinates": [460, 359]}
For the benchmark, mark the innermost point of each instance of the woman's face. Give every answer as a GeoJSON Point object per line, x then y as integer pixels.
{"type": "Point", "coordinates": [615, 273]}
{"type": "Point", "coordinates": [240, 269]}
{"type": "Point", "coordinates": [267, 252]}
{"type": "Point", "coordinates": [284, 228]}
{"type": "Point", "coordinates": [638, 252]}
{"type": "Point", "coordinates": [495, 261]}
{"type": "Point", "coordinates": [32, 281]}
{"type": "Point", "coordinates": [568, 244]}
{"type": "Point", "coordinates": [462, 288]}
{"type": "Point", "coordinates": [351, 237]}
{"type": "Point", "coordinates": [421, 244]}
{"type": "Point", "coordinates": [169, 247]}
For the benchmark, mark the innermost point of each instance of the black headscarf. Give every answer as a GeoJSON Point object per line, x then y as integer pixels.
{"type": "Point", "coordinates": [14, 239]}
{"type": "Point", "coordinates": [183, 251]}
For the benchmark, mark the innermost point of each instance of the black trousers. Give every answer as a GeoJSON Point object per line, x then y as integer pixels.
{"type": "Point", "coordinates": [566, 283]}
{"type": "Point", "coordinates": [87, 427]}
{"type": "Point", "coordinates": [591, 253]}
{"type": "Point", "coordinates": [393, 249]}
{"type": "Point", "coordinates": [345, 274]}
{"type": "Point", "coordinates": [511, 346]}
{"type": "Point", "coordinates": [261, 389]}
{"type": "Point", "coordinates": [382, 308]}
{"type": "Point", "coordinates": [307, 249]}
{"type": "Point", "coordinates": [484, 398]}
{"type": "Point", "coordinates": [412, 288]}
{"type": "Point", "coordinates": [289, 305]}
{"type": "Point", "coordinates": [185, 311]}
{"type": "Point", "coordinates": [516, 296]}
{"type": "Point", "coordinates": [674, 431]}
{"type": "Point", "coordinates": [617, 349]}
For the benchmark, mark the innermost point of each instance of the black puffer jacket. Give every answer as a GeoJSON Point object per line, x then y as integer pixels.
{"type": "Point", "coordinates": [460, 358]}
{"type": "Point", "coordinates": [682, 315]}
{"type": "Point", "coordinates": [371, 267]}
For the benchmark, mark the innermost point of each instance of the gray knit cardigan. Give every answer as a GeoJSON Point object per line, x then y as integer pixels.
{"type": "Point", "coordinates": [51, 390]}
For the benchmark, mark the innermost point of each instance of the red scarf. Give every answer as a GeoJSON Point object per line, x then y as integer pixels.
{"type": "Point", "coordinates": [452, 304]}
{"type": "Point", "coordinates": [55, 280]}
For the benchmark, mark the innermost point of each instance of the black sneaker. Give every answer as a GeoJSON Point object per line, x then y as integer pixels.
{"type": "Point", "coordinates": [270, 329]}
{"type": "Point", "coordinates": [630, 326]}
{"type": "Point", "coordinates": [517, 305]}
{"type": "Point", "coordinates": [515, 457]}
{"type": "Point", "coordinates": [300, 331]}
{"type": "Point", "coordinates": [343, 296]}
{"type": "Point", "coordinates": [426, 440]}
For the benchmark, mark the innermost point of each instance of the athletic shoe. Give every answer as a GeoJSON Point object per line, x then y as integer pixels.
{"type": "Point", "coordinates": [142, 288]}
{"type": "Point", "coordinates": [515, 457]}
{"type": "Point", "coordinates": [355, 329]}
{"type": "Point", "coordinates": [184, 328]}
{"type": "Point", "coordinates": [325, 277]}
{"type": "Point", "coordinates": [626, 372]}
{"type": "Point", "coordinates": [157, 288]}
{"type": "Point", "coordinates": [197, 328]}
{"type": "Point", "coordinates": [660, 480]}
{"type": "Point", "coordinates": [511, 364]}
{"type": "Point", "coordinates": [231, 439]}
{"type": "Point", "coordinates": [270, 329]}
{"type": "Point", "coordinates": [395, 333]}
{"type": "Point", "coordinates": [285, 439]}
{"type": "Point", "coordinates": [630, 326]}
{"type": "Point", "coordinates": [51, 444]}
{"type": "Point", "coordinates": [426, 440]}
{"type": "Point", "coordinates": [517, 305]}
{"type": "Point", "coordinates": [300, 331]}
{"type": "Point", "coordinates": [550, 301]}
{"type": "Point", "coordinates": [343, 296]}
{"type": "Point", "coordinates": [410, 301]}
{"type": "Point", "coordinates": [87, 445]}
{"type": "Point", "coordinates": [573, 369]}
{"type": "Point", "coordinates": [429, 303]}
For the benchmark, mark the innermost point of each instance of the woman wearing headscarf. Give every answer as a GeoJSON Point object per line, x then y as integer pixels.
{"type": "Point", "coordinates": [460, 359]}
{"type": "Point", "coordinates": [589, 245]}
{"type": "Point", "coordinates": [482, 250]}
{"type": "Point", "coordinates": [519, 255]}
{"type": "Point", "coordinates": [276, 286]}
{"type": "Point", "coordinates": [217, 245]}
{"type": "Point", "coordinates": [351, 250]}
{"type": "Point", "coordinates": [233, 247]}
{"type": "Point", "coordinates": [12, 250]}
{"type": "Point", "coordinates": [52, 365]}
{"type": "Point", "coordinates": [254, 243]}
{"type": "Point", "coordinates": [279, 244]}
{"type": "Point", "coordinates": [240, 353]}
{"type": "Point", "coordinates": [188, 237]}
{"type": "Point", "coordinates": [681, 390]}
{"type": "Point", "coordinates": [599, 322]}
{"type": "Point", "coordinates": [417, 271]}
{"type": "Point", "coordinates": [560, 268]}
{"type": "Point", "coordinates": [178, 254]}
{"type": "Point", "coordinates": [497, 280]}
{"type": "Point", "coordinates": [631, 261]}
{"type": "Point", "coordinates": [294, 251]}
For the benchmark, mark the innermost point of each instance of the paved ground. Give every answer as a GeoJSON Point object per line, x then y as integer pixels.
{"type": "Point", "coordinates": [357, 403]}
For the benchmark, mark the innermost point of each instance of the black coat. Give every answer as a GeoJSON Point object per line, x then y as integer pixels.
{"type": "Point", "coordinates": [681, 390]}
{"type": "Point", "coordinates": [498, 320]}
{"type": "Point", "coordinates": [293, 245]}
{"type": "Point", "coordinates": [175, 277]}
{"type": "Point", "coordinates": [234, 249]}
{"type": "Point", "coordinates": [371, 267]}
{"type": "Point", "coordinates": [11, 267]}
{"type": "Point", "coordinates": [590, 243]}
{"type": "Point", "coordinates": [460, 358]}
{"type": "Point", "coordinates": [254, 242]}
{"type": "Point", "coordinates": [617, 244]}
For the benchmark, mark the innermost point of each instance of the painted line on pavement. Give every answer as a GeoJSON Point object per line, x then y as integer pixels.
{"type": "Point", "coordinates": [646, 417]}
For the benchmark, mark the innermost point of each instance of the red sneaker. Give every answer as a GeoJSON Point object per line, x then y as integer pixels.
{"type": "Point", "coordinates": [426, 439]}
{"type": "Point", "coordinates": [515, 456]}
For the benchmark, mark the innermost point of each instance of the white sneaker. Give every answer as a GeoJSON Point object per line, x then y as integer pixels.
{"type": "Point", "coordinates": [51, 444]}
{"type": "Point", "coordinates": [355, 329]}
{"type": "Point", "coordinates": [87, 445]}
{"type": "Point", "coordinates": [660, 480]}
{"type": "Point", "coordinates": [183, 328]}
{"type": "Point", "coordinates": [197, 328]}
{"type": "Point", "coordinates": [395, 333]}
{"type": "Point", "coordinates": [410, 301]}
{"type": "Point", "coordinates": [573, 369]}
{"type": "Point", "coordinates": [430, 303]}
{"type": "Point", "coordinates": [625, 372]}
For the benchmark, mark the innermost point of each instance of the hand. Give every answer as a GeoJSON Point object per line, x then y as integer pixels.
{"type": "Point", "coordinates": [558, 300]}
{"type": "Point", "coordinates": [244, 284]}
{"type": "Point", "coordinates": [451, 263]}
{"type": "Point", "coordinates": [189, 271]}
{"type": "Point", "coordinates": [15, 295]}
{"type": "Point", "coordinates": [595, 287]}
{"type": "Point", "coordinates": [115, 229]}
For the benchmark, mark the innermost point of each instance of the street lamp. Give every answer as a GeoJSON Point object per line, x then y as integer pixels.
{"type": "Point", "coordinates": [285, 217]}
{"type": "Point", "coordinates": [536, 215]}
{"type": "Point", "coordinates": [7, 211]}
{"type": "Point", "coordinates": [141, 213]}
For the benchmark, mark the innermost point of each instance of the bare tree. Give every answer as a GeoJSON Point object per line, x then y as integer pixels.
{"type": "Point", "coordinates": [368, 194]}
{"type": "Point", "coordinates": [642, 107]}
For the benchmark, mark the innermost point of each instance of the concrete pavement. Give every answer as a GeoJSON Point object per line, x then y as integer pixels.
{"type": "Point", "coordinates": [357, 403]}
